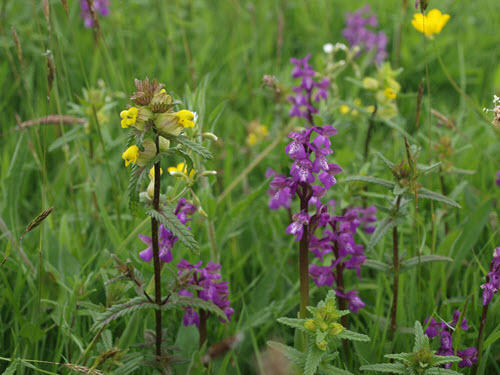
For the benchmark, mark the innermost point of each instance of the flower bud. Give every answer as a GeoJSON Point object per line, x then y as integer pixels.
{"type": "Point", "coordinates": [144, 114]}
{"type": "Point", "coordinates": [151, 188]}
{"type": "Point", "coordinates": [336, 328]}
{"type": "Point", "coordinates": [161, 102]}
{"type": "Point", "coordinates": [148, 154]}
{"type": "Point", "coordinates": [208, 173]}
{"type": "Point", "coordinates": [370, 83]}
{"type": "Point", "coordinates": [210, 136]}
{"type": "Point", "coordinates": [310, 325]}
{"type": "Point", "coordinates": [322, 345]}
{"type": "Point", "coordinates": [164, 144]}
{"type": "Point", "coordinates": [168, 124]}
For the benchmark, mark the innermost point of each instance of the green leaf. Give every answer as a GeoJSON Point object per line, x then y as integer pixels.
{"type": "Point", "coordinates": [184, 301]}
{"type": "Point", "coordinates": [292, 354]}
{"type": "Point", "coordinates": [117, 311]}
{"type": "Point", "coordinates": [424, 170]}
{"type": "Point", "coordinates": [331, 370]}
{"type": "Point", "coordinates": [438, 360]}
{"type": "Point", "coordinates": [167, 217]}
{"type": "Point", "coordinates": [421, 340]}
{"type": "Point", "coordinates": [441, 371]}
{"type": "Point", "coordinates": [412, 262]}
{"type": "Point", "coordinates": [350, 335]}
{"type": "Point", "coordinates": [11, 370]}
{"type": "Point", "coordinates": [383, 227]}
{"type": "Point", "coordinates": [314, 356]}
{"type": "Point", "coordinates": [494, 336]}
{"type": "Point", "coordinates": [193, 146]}
{"type": "Point", "coordinates": [294, 323]}
{"type": "Point", "coordinates": [377, 265]}
{"type": "Point", "coordinates": [405, 357]}
{"type": "Point", "coordinates": [372, 180]}
{"type": "Point", "coordinates": [432, 195]}
{"type": "Point", "coordinates": [187, 158]}
{"type": "Point", "coordinates": [397, 368]}
{"type": "Point", "coordinates": [398, 190]}
{"type": "Point", "coordinates": [387, 162]}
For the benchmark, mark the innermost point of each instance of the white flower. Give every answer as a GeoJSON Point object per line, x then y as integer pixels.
{"type": "Point", "coordinates": [328, 48]}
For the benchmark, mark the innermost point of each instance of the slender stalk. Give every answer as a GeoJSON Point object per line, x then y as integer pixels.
{"type": "Point", "coordinates": [371, 124]}
{"type": "Point", "coordinates": [202, 328]}
{"type": "Point", "coordinates": [304, 255]}
{"type": "Point", "coordinates": [480, 339]}
{"type": "Point", "coordinates": [156, 252]}
{"type": "Point", "coordinates": [397, 56]}
{"type": "Point", "coordinates": [395, 249]}
{"type": "Point", "coordinates": [443, 191]}
{"type": "Point", "coordinates": [342, 301]}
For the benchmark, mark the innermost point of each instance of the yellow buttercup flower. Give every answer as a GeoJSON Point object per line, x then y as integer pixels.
{"type": "Point", "coordinates": [430, 24]}
{"type": "Point", "coordinates": [186, 118]}
{"type": "Point", "coordinates": [130, 155]}
{"type": "Point", "coordinates": [129, 117]}
{"type": "Point", "coordinates": [181, 168]}
{"type": "Point", "coordinates": [390, 93]}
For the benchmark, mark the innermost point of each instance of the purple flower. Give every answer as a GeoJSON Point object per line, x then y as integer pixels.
{"type": "Point", "coordinates": [100, 6]}
{"type": "Point", "coordinates": [321, 275]}
{"type": "Point", "coordinates": [213, 290]}
{"type": "Point", "coordinates": [357, 33]}
{"type": "Point", "coordinates": [166, 239]}
{"type": "Point", "coordinates": [355, 303]}
{"type": "Point", "coordinates": [469, 357]}
{"type": "Point", "coordinates": [498, 178]}
{"type": "Point", "coordinates": [492, 278]}
{"type": "Point", "coordinates": [297, 226]}
{"type": "Point", "coordinates": [444, 330]}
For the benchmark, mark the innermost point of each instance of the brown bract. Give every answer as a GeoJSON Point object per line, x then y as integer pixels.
{"type": "Point", "coordinates": [145, 91]}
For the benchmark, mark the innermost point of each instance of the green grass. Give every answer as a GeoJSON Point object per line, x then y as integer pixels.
{"type": "Point", "coordinates": [211, 54]}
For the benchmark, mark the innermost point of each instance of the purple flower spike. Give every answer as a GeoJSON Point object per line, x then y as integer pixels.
{"type": "Point", "coordinates": [321, 275]}
{"type": "Point", "coordinates": [498, 178]}
{"type": "Point", "coordinates": [213, 290]}
{"type": "Point", "coordinates": [355, 303]}
{"type": "Point", "coordinates": [492, 278]}
{"type": "Point", "coordinates": [100, 6]}
{"type": "Point", "coordinates": [357, 33]}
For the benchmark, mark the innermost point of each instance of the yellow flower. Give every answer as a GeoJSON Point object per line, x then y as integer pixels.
{"type": "Point", "coordinates": [252, 139]}
{"type": "Point", "coordinates": [152, 172]}
{"type": "Point", "coordinates": [131, 155]}
{"type": "Point", "coordinates": [129, 117]}
{"type": "Point", "coordinates": [181, 168]}
{"type": "Point", "coordinates": [186, 118]}
{"type": "Point", "coordinates": [390, 93]}
{"type": "Point", "coordinates": [430, 24]}
{"type": "Point", "coordinates": [344, 109]}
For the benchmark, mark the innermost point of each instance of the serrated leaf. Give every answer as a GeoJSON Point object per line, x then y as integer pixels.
{"type": "Point", "coordinates": [427, 194]}
{"type": "Point", "coordinates": [292, 354]}
{"type": "Point", "coordinates": [383, 227]}
{"type": "Point", "coordinates": [397, 368]}
{"type": "Point", "coordinates": [398, 190]}
{"type": "Point", "coordinates": [438, 360]}
{"type": "Point", "coordinates": [294, 323]}
{"type": "Point", "coordinates": [193, 146]}
{"type": "Point", "coordinates": [387, 162]}
{"type": "Point", "coordinates": [412, 262]}
{"type": "Point", "coordinates": [117, 311]}
{"type": "Point", "coordinates": [372, 180]}
{"type": "Point", "coordinates": [11, 370]}
{"type": "Point", "coordinates": [313, 359]}
{"type": "Point", "coordinates": [332, 370]}
{"type": "Point", "coordinates": [377, 265]}
{"type": "Point", "coordinates": [441, 371]}
{"type": "Point", "coordinates": [187, 158]}
{"type": "Point", "coordinates": [421, 340]}
{"type": "Point", "coordinates": [195, 302]}
{"type": "Point", "coordinates": [424, 170]}
{"type": "Point", "coordinates": [405, 357]}
{"type": "Point", "coordinates": [167, 217]}
{"type": "Point", "coordinates": [350, 335]}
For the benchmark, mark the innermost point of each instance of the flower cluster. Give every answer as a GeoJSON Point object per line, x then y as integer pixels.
{"type": "Point", "coordinates": [357, 33]}
{"type": "Point", "coordinates": [339, 241]}
{"type": "Point", "coordinates": [256, 132]}
{"type": "Point", "coordinates": [444, 330]}
{"type": "Point", "coordinates": [213, 289]}
{"type": "Point", "coordinates": [100, 6]}
{"type": "Point", "coordinates": [385, 88]}
{"type": "Point", "coordinates": [430, 24]}
{"type": "Point", "coordinates": [492, 278]}
{"type": "Point", "coordinates": [495, 110]}
{"type": "Point", "coordinates": [302, 102]}
{"type": "Point", "coordinates": [166, 239]}
{"type": "Point", "coordinates": [498, 178]}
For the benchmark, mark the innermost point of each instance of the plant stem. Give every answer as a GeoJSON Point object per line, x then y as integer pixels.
{"type": "Point", "coordinates": [371, 123]}
{"type": "Point", "coordinates": [342, 301]}
{"type": "Point", "coordinates": [443, 191]}
{"type": "Point", "coordinates": [304, 255]}
{"type": "Point", "coordinates": [395, 248]}
{"type": "Point", "coordinates": [156, 251]}
{"type": "Point", "coordinates": [397, 56]}
{"type": "Point", "coordinates": [202, 328]}
{"type": "Point", "coordinates": [480, 339]}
